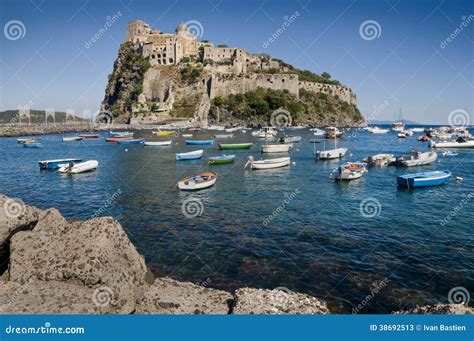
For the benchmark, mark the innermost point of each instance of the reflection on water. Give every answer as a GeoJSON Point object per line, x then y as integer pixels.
{"type": "Point", "coordinates": [317, 242]}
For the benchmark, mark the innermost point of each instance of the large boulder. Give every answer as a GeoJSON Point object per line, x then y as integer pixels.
{"type": "Point", "coordinates": [457, 309]}
{"type": "Point", "coordinates": [96, 252]}
{"type": "Point", "coordinates": [276, 301]}
{"type": "Point", "coordinates": [53, 297]}
{"type": "Point", "coordinates": [167, 296]}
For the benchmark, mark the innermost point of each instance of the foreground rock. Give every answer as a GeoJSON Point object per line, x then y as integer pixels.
{"type": "Point", "coordinates": [167, 296]}
{"type": "Point", "coordinates": [456, 309]}
{"type": "Point", "coordinates": [90, 253]}
{"type": "Point", "coordinates": [277, 301]}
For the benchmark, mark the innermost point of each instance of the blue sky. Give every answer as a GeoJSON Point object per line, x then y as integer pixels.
{"type": "Point", "coordinates": [405, 65]}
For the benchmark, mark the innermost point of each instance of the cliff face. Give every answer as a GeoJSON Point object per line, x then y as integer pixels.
{"type": "Point", "coordinates": [140, 93]}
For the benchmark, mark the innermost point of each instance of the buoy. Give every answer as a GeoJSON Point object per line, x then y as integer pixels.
{"type": "Point", "coordinates": [126, 150]}
{"type": "Point", "coordinates": [297, 150]}
{"type": "Point", "coordinates": [293, 163]}
{"type": "Point", "coordinates": [458, 178]}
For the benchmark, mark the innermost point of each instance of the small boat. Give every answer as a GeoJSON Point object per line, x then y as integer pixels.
{"type": "Point", "coordinates": [401, 135]}
{"type": "Point", "coordinates": [121, 133]}
{"type": "Point", "coordinates": [198, 181]}
{"type": "Point", "coordinates": [56, 164]}
{"type": "Point", "coordinates": [268, 163]}
{"type": "Point", "coordinates": [224, 136]}
{"type": "Point", "coordinates": [215, 127]}
{"type": "Point", "coordinates": [81, 167]}
{"type": "Point", "coordinates": [424, 179]}
{"type": "Point", "coordinates": [164, 133]}
{"type": "Point", "coordinates": [423, 138]}
{"type": "Point", "coordinates": [196, 154]}
{"type": "Point", "coordinates": [350, 171]}
{"type": "Point", "coordinates": [32, 145]}
{"type": "Point", "coordinates": [219, 160]}
{"type": "Point", "coordinates": [331, 153]}
{"type": "Point", "coordinates": [459, 143]}
{"type": "Point", "coordinates": [26, 140]}
{"type": "Point", "coordinates": [266, 132]}
{"type": "Point", "coordinates": [117, 139]}
{"type": "Point", "coordinates": [333, 132]}
{"type": "Point", "coordinates": [318, 132]}
{"type": "Point", "coordinates": [398, 126]}
{"type": "Point", "coordinates": [377, 130]}
{"type": "Point", "coordinates": [195, 129]}
{"type": "Point", "coordinates": [187, 135]}
{"type": "Point", "coordinates": [449, 153]}
{"type": "Point", "coordinates": [276, 148]}
{"type": "Point", "coordinates": [133, 141]}
{"type": "Point", "coordinates": [231, 130]}
{"type": "Point", "coordinates": [199, 142]}
{"type": "Point", "coordinates": [420, 159]}
{"type": "Point", "coordinates": [418, 130]}
{"type": "Point", "coordinates": [289, 139]}
{"type": "Point", "coordinates": [226, 146]}
{"type": "Point", "coordinates": [407, 132]}
{"type": "Point", "coordinates": [157, 143]}
{"type": "Point", "coordinates": [72, 139]}
{"type": "Point", "coordinates": [90, 136]}
{"type": "Point", "coordinates": [379, 160]}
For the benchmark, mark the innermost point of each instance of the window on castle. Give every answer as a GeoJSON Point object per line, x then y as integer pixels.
{"type": "Point", "coordinates": [171, 60]}
{"type": "Point", "coordinates": [159, 56]}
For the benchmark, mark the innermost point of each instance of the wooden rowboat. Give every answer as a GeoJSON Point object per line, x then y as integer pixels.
{"type": "Point", "coordinates": [199, 142]}
{"type": "Point", "coordinates": [116, 139]}
{"type": "Point", "coordinates": [235, 145]}
{"type": "Point", "coordinates": [56, 164]}
{"type": "Point", "coordinates": [72, 139]}
{"type": "Point", "coordinates": [157, 143]}
{"type": "Point", "coordinates": [164, 133]}
{"type": "Point", "coordinates": [424, 179]}
{"type": "Point", "coordinates": [198, 181]}
{"type": "Point", "coordinates": [132, 141]}
{"type": "Point", "coordinates": [268, 164]}
{"type": "Point", "coordinates": [197, 154]}
{"type": "Point", "coordinates": [90, 136]}
{"type": "Point", "coordinates": [220, 160]}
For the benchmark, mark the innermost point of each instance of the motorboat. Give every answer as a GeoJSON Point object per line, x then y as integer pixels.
{"type": "Point", "coordinates": [350, 171]}
{"type": "Point", "coordinates": [276, 148]}
{"type": "Point", "coordinates": [72, 139]}
{"type": "Point", "coordinates": [333, 132]}
{"type": "Point", "coordinates": [56, 164]}
{"type": "Point", "coordinates": [378, 160]}
{"type": "Point", "coordinates": [419, 159]}
{"type": "Point", "coordinates": [461, 142]}
{"type": "Point", "coordinates": [81, 167]}
{"type": "Point", "coordinates": [289, 139]}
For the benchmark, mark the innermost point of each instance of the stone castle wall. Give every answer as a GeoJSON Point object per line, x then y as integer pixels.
{"type": "Point", "coordinates": [343, 92]}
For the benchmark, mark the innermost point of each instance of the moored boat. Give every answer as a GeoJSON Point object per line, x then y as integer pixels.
{"type": "Point", "coordinates": [318, 132]}
{"type": "Point", "coordinates": [121, 133]}
{"type": "Point", "coordinates": [398, 126]}
{"type": "Point", "coordinates": [32, 145]}
{"type": "Point", "coordinates": [424, 179]}
{"type": "Point", "coordinates": [379, 160]}
{"type": "Point", "coordinates": [187, 135]}
{"type": "Point", "coordinates": [331, 153]}
{"type": "Point", "coordinates": [377, 130]}
{"type": "Point", "coordinates": [420, 159]}
{"type": "Point", "coordinates": [423, 138]}
{"type": "Point", "coordinates": [401, 135]}
{"type": "Point", "coordinates": [196, 154]}
{"type": "Point", "coordinates": [132, 141]}
{"type": "Point", "coordinates": [350, 171]}
{"type": "Point", "coordinates": [195, 129]}
{"type": "Point", "coordinates": [56, 164]}
{"type": "Point", "coordinates": [199, 142]}
{"type": "Point", "coordinates": [116, 139]}
{"type": "Point", "coordinates": [72, 139]}
{"type": "Point", "coordinates": [333, 132]}
{"type": "Point", "coordinates": [90, 136]}
{"type": "Point", "coordinates": [198, 181]}
{"type": "Point", "coordinates": [276, 148]}
{"type": "Point", "coordinates": [223, 136]}
{"type": "Point", "coordinates": [232, 146]}
{"type": "Point", "coordinates": [418, 130]}
{"type": "Point", "coordinates": [81, 167]}
{"type": "Point", "coordinates": [289, 139]}
{"type": "Point", "coordinates": [157, 143]}
{"type": "Point", "coordinates": [219, 160]}
{"type": "Point", "coordinates": [459, 143]}
{"type": "Point", "coordinates": [268, 163]}
{"type": "Point", "coordinates": [164, 133]}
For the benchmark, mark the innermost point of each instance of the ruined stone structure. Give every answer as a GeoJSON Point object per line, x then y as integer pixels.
{"type": "Point", "coordinates": [343, 92]}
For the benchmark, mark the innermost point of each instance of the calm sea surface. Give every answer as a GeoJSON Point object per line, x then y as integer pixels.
{"type": "Point", "coordinates": [315, 238]}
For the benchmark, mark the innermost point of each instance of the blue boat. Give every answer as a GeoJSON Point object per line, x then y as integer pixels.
{"type": "Point", "coordinates": [32, 145]}
{"type": "Point", "coordinates": [423, 179]}
{"type": "Point", "coordinates": [56, 164]}
{"type": "Point", "coordinates": [200, 142]}
{"type": "Point", "coordinates": [135, 141]}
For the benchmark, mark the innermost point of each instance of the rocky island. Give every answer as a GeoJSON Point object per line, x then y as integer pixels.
{"type": "Point", "coordinates": [158, 77]}
{"type": "Point", "coordinates": [53, 266]}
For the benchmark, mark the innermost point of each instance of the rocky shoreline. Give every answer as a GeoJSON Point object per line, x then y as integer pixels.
{"type": "Point", "coordinates": [52, 266]}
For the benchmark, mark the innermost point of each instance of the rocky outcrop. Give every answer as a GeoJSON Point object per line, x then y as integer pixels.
{"type": "Point", "coordinates": [276, 301]}
{"type": "Point", "coordinates": [167, 296]}
{"type": "Point", "coordinates": [455, 309]}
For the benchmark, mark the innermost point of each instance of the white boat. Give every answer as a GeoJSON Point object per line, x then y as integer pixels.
{"type": "Point", "coordinates": [196, 154]}
{"type": "Point", "coordinates": [223, 136]}
{"type": "Point", "coordinates": [276, 148]}
{"type": "Point", "coordinates": [81, 167]}
{"type": "Point", "coordinates": [330, 153]}
{"type": "Point", "coordinates": [72, 139]}
{"type": "Point", "coordinates": [318, 132]}
{"type": "Point", "coordinates": [187, 135]}
{"type": "Point", "coordinates": [418, 130]}
{"type": "Point", "coordinates": [420, 159]}
{"type": "Point", "coordinates": [377, 130]}
{"type": "Point", "coordinates": [121, 133]}
{"type": "Point", "coordinates": [231, 130]}
{"type": "Point", "coordinates": [350, 171]}
{"type": "Point", "coordinates": [401, 135]}
{"type": "Point", "coordinates": [398, 126]}
{"type": "Point", "coordinates": [266, 132]}
{"type": "Point", "coordinates": [407, 132]}
{"type": "Point", "coordinates": [268, 163]}
{"type": "Point", "coordinates": [379, 159]}
{"type": "Point", "coordinates": [157, 143]}
{"type": "Point", "coordinates": [333, 132]}
{"type": "Point", "coordinates": [198, 181]}
{"type": "Point", "coordinates": [289, 139]}
{"type": "Point", "coordinates": [459, 143]}
{"type": "Point", "coordinates": [215, 127]}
